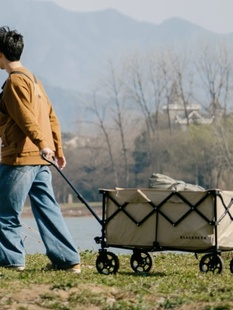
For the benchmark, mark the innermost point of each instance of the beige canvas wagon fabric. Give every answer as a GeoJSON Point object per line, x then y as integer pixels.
{"type": "Point", "coordinates": [194, 232]}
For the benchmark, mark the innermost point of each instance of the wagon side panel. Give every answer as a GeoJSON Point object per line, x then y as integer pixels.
{"type": "Point", "coordinates": [225, 220]}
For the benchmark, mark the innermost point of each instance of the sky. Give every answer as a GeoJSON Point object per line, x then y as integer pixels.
{"type": "Point", "coordinates": [213, 15]}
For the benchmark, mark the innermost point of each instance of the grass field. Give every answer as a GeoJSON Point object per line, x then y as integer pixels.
{"type": "Point", "coordinates": [175, 282]}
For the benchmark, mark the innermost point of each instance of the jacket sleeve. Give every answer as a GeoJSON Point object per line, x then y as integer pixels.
{"type": "Point", "coordinates": [55, 126]}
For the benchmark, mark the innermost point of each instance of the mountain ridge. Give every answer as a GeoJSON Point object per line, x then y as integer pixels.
{"type": "Point", "coordinates": [67, 49]}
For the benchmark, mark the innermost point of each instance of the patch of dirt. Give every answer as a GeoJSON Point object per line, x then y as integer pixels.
{"type": "Point", "coordinates": [38, 296]}
{"type": "Point", "coordinates": [26, 298]}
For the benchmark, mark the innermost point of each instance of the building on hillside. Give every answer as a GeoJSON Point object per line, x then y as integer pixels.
{"type": "Point", "coordinates": [77, 141]}
{"type": "Point", "coordinates": [184, 114]}
{"type": "Point", "coordinates": [194, 117]}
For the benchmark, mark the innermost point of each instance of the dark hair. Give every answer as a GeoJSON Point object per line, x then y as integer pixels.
{"type": "Point", "coordinates": [11, 43]}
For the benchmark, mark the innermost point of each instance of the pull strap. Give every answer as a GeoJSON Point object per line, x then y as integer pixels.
{"type": "Point", "coordinates": [21, 72]}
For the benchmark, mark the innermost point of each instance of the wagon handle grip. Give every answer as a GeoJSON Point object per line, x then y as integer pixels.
{"type": "Point", "coordinates": [52, 162]}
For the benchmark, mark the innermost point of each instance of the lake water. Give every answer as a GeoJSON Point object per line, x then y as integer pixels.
{"type": "Point", "coordinates": [82, 229]}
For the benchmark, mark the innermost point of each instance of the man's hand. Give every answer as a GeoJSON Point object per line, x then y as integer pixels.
{"type": "Point", "coordinates": [47, 152]}
{"type": "Point", "coordinates": [61, 162]}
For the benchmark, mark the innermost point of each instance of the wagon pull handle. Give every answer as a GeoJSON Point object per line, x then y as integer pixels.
{"type": "Point", "coordinates": [80, 197]}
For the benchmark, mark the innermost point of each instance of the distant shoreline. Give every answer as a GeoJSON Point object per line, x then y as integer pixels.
{"type": "Point", "coordinates": [68, 211]}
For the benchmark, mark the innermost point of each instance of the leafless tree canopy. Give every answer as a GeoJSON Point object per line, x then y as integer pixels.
{"type": "Point", "coordinates": [166, 111]}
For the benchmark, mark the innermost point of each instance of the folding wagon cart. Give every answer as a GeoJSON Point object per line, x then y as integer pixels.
{"type": "Point", "coordinates": [149, 220]}
{"type": "Point", "coordinates": [153, 220]}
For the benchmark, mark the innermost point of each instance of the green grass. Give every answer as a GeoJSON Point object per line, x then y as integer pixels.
{"type": "Point", "coordinates": [175, 282]}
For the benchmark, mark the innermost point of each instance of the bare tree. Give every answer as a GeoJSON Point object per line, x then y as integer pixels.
{"type": "Point", "coordinates": [183, 79]}
{"type": "Point", "coordinates": [100, 113]}
{"type": "Point", "coordinates": [158, 87]}
{"type": "Point", "coordinates": [114, 90]}
{"type": "Point", "coordinates": [139, 90]}
{"type": "Point", "coordinates": [215, 72]}
{"type": "Point", "coordinates": [168, 80]}
{"type": "Point", "coordinates": [116, 122]}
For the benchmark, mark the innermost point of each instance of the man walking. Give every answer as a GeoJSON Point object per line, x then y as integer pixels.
{"type": "Point", "coordinates": [29, 129]}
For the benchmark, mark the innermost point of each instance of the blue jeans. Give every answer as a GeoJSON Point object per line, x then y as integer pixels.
{"type": "Point", "coordinates": [16, 182]}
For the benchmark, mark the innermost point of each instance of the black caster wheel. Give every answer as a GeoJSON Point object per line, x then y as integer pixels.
{"type": "Point", "coordinates": [141, 262]}
{"type": "Point", "coordinates": [211, 262]}
{"type": "Point", "coordinates": [231, 265]}
{"type": "Point", "coordinates": [107, 263]}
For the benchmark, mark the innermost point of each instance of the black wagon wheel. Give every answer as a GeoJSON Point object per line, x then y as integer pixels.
{"type": "Point", "coordinates": [211, 262]}
{"type": "Point", "coordinates": [141, 261]}
{"type": "Point", "coordinates": [231, 265]}
{"type": "Point", "coordinates": [107, 263]}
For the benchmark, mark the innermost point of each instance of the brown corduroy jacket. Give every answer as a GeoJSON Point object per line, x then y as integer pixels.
{"type": "Point", "coordinates": [28, 122]}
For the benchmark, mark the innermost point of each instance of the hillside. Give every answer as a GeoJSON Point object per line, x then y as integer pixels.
{"type": "Point", "coordinates": [67, 50]}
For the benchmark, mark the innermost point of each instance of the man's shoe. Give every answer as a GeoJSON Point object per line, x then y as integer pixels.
{"type": "Point", "coordinates": [73, 268]}
{"type": "Point", "coordinates": [17, 268]}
